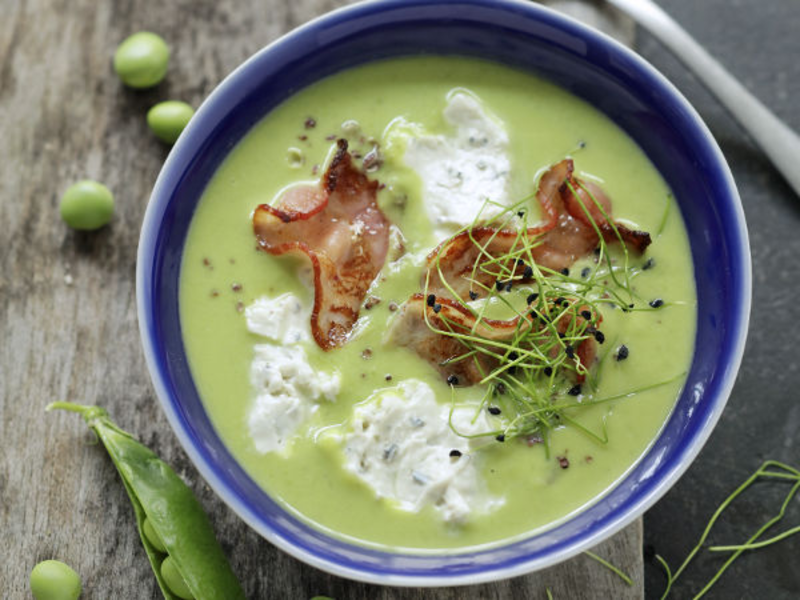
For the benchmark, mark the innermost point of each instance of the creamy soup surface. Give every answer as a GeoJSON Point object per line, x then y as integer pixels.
{"type": "Point", "coordinates": [369, 440]}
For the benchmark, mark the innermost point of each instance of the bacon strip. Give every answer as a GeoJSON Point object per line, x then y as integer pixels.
{"type": "Point", "coordinates": [586, 190]}
{"type": "Point", "coordinates": [443, 351]}
{"type": "Point", "coordinates": [566, 235]}
{"type": "Point", "coordinates": [340, 229]}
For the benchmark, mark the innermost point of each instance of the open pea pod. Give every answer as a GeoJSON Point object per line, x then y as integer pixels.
{"type": "Point", "coordinates": [161, 497]}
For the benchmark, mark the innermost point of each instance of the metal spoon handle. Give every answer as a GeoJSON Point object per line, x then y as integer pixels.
{"type": "Point", "coordinates": [776, 139]}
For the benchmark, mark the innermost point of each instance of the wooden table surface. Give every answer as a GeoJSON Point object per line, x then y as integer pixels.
{"type": "Point", "coordinates": [68, 313]}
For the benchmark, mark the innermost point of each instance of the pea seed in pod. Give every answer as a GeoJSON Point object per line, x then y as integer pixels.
{"type": "Point", "coordinates": [141, 60]}
{"type": "Point", "coordinates": [168, 119]}
{"type": "Point", "coordinates": [174, 580]}
{"type": "Point", "coordinates": [87, 205]}
{"type": "Point", "coordinates": [152, 536]}
{"type": "Point", "coordinates": [54, 580]}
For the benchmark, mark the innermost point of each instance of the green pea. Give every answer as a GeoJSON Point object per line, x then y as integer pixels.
{"type": "Point", "coordinates": [160, 496]}
{"type": "Point", "coordinates": [152, 536]}
{"type": "Point", "coordinates": [167, 119]}
{"type": "Point", "coordinates": [87, 205]}
{"type": "Point", "coordinates": [54, 580]}
{"type": "Point", "coordinates": [141, 60]}
{"type": "Point", "coordinates": [174, 579]}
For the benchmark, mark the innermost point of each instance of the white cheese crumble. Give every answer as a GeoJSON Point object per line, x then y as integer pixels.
{"type": "Point", "coordinates": [282, 319]}
{"type": "Point", "coordinates": [400, 444]}
{"type": "Point", "coordinates": [461, 170]}
{"type": "Point", "coordinates": [287, 389]}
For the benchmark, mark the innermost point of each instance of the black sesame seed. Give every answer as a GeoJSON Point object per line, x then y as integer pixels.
{"type": "Point", "coordinates": [473, 295]}
{"type": "Point", "coordinates": [499, 285]}
{"type": "Point", "coordinates": [452, 380]}
{"type": "Point", "coordinates": [586, 315]}
{"type": "Point", "coordinates": [600, 337]}
{"type": "Point", "coordinates": [548, 371]}
{"type": "Point", "coordinates": [532, 298]}
{"type": "Point", "coordinates": [455, 453]}
{"type": "Point", "coordinates": [585, 272]}
{"type": "Point", "coordinates": [431, 299]}
{"type": "Point", "coordinates": [657, 303]}
{"type": "Point", "coordinates": [521, 213]}
{"type": "Point", "coordinates": [575, 390]}
{"type": "Point", "coordinates": [569, 351]}
{"type": "Point", "coordinates": [520, 262]}
{"type": "Point", "coordinates": [622, 352]}
{"type": "Point", "coordinates": [581, 144]}
{"type": "Point", "coordinates": [501, 438]}
{"type": "Point", "coordinates": [565, 272]}
{"type": "Point", "coordinates": [649, 264]}
{"type": "Point", "coordinates": [559, 300]}
{"type": "Point", "coordinates": [500, 388]}
{"type": "Point", "coordinates": [508, 286]}
{"type": "Point", "coordinates": [512, 356]}
{"type": "Point", "coordinates": [493, 410]}
{"type": "Point", "coordinates": [437, 307]}
{"type": "Point", "coordinates": [528, 272]}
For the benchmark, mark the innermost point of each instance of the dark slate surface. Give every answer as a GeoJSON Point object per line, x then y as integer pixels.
{"type": "Point", "coordinates": [757, 40]}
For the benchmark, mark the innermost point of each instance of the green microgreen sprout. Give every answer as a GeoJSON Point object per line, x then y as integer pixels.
{"type": "Point", "coordinates": [769, 470]}
{"type": "Point", "coordinates": [538, 362]}
{"type": "Point", "coordinates": [613, 568]}
{"type": "Point", "coordinates": [665, 216]}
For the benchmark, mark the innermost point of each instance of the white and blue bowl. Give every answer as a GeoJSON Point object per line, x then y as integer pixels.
{"type": "Point", "coordinates": [523, 35]}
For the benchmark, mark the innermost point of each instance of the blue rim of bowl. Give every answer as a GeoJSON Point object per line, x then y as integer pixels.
{"type": "Point", "coordinates": [339, 557]}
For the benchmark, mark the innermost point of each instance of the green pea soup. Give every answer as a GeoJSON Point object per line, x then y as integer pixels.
{"type": "Point", "coordinates": [222, 272]}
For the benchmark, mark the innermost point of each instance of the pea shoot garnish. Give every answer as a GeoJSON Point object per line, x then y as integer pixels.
{"type": "Point", "coordinates": [770, 470]}
{"type": "Point", "coordinates": [513, 319]}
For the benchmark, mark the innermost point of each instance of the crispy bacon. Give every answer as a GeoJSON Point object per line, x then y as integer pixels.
{"type": "Point", "coordinates": [566, 235]}
{"type": "Point", "coordinates": [340, 229]}
{"type": "Point", "coordinates": [586, 190]}
{"type": "Point", "coordinates": [410, 329]}
{"type": "Point", "coordinates": [432, 340]}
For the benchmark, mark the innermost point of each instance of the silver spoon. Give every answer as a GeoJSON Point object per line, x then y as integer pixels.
{"type": "Point", "coordinates": [776, 139]}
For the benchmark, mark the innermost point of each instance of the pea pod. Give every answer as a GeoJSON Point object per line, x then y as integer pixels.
{"type": "Point", "coordinates": [170, 507]}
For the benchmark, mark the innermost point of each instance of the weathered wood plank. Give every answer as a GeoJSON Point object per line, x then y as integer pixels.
{"type": "Point", "coordinates": [67, 307]}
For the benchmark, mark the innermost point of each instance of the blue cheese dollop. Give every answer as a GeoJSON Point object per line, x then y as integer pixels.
{"type": "Point", "coordinates": [462, 169]}
{"type": "Point", "coordinates": [287, 389]}
{"type": "Point", "coordinates": [400, 444]}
